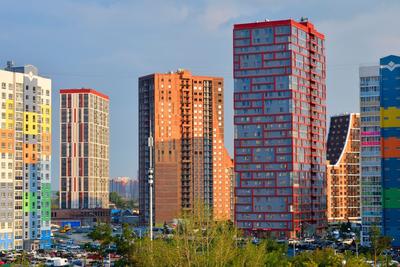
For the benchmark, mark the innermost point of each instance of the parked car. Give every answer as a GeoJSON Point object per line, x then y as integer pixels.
{"type": "Point", "coordinates": [56, 262]}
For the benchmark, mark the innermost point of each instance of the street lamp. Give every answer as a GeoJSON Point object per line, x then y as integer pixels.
{"type": "Point", "coordinates": [294, 248]}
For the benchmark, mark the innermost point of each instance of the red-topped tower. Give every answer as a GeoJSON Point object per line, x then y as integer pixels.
{"type": "Point", "coordinates": [84, 151]}
{"type": "Point", "coordinates": [280, 128]}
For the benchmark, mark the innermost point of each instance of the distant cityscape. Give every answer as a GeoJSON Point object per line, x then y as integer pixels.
{"type": "Point", "coordinates": [290, 177]}
{"type": "Point", "coordinates": [125, 187]}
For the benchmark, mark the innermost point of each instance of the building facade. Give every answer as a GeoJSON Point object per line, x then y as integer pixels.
{"type": "Point", "coordinates": [80, 217]}
{"type": "Point", "coordinates": [84, 153]}
{"type": "Point", "coordinates": [343, 169]}
{"type": "Point", "coordinates": [370, 162]}
{"type": "Point", "coordinates": [186, 117]}
{"type": "Point", "coordinates": [25, 148]}
{"type": "Point", "coordinates": [280, 128]}
{"type": "Point", "coordinates": [390, 145]}
{"type": "Point", "coordinates": [126, 187]}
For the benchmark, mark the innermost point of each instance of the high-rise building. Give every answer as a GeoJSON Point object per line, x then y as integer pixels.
{"type": "Point", "coordinates": [280, 128]}
{"type": "Point", "coordinates": [84, 154]}
{"type": "Point", "coordinates": [185, 114]}
{"type": "Point", "coordinates": [343, 169]}
{"type": "Point", "coordinates": [370, 162]}
{"type": "Point", "coordinates": [25, 148]}
{"type": "Point", "coordinates": [125, 187]}
{"type": "Point", "coordinates": [390, 145]}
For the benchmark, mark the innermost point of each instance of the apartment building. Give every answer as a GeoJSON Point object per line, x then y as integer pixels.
{"type": "Point", "coordinates": [280, 128]}
{"type": "Point", "coordinates": [390, 145]}
{"type": "Point", "coordinates": [25, 148]}
{"type": "Point", "coordinates": [370, 151]}
{"type": "Point", "coordinates": [343, 169]}
{"type": "Point", "coordinates": [185, 114]}
{"type": "Point", "coordinates": [84, 153]}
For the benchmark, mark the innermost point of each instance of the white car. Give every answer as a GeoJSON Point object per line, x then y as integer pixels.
{"type": "Point", "coordinates": [293, 242]}
{"type": "Point", "coordinates": [56, 262]}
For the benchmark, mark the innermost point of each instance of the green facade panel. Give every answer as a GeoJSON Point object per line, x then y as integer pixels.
{"type": "Point", "coordinates": [391, 198]}
{"type": "Point", "coordinates": [46, 201]}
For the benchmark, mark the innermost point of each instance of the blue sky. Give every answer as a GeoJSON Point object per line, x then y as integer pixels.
{"type": "Point", "coordinates": [107, 45]}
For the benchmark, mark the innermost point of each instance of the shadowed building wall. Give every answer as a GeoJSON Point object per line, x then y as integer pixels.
{"type": "Point", "coordinates": [370, 152]}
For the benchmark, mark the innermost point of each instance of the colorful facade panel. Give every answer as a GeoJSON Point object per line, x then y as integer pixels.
{"type": "Point", "coordinates": [28, 169]}
{"type": "Point", "coordinates": [390, 132]}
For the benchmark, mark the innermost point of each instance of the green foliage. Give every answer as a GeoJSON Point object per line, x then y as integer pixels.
{"type": "Point", "coordinates": [201, 241]}
{"type": "Point", "coordinates": [21, 260]}
{"type": "Point", "coordinates": [125, 244]}
{"type": "Point", "coordinates": [122, 203]}
{"type": "Point", "coordinates": [103, 234]}
{"type": "Point", "coordinates": [379, 243]}
{"type": "Point", "coordinates": [327, 257]}
{"type": "Point", "coordinates": [320, 258]}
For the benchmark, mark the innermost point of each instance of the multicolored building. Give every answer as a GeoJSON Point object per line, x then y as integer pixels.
{"type": "Point", "coordinates": [390, 145]}
{"type": "Point", "coordinates": [370, 162]}
{"type": "Point", "coordinates": [25, 149]}
{"type": "Point", "coordinates": [84, 153]}
{"type": "Point", "coordinates": [343, 169]}
{"type": "Point", "coordinates": [280, 128]}
{"type": "Point", "coordinates": [185, 114]}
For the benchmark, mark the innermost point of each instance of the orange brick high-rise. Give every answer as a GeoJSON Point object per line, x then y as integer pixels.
{"type": "Point", "coordinates": [343, 169]}
{"type": "Point", "coordinates": [186, 116]}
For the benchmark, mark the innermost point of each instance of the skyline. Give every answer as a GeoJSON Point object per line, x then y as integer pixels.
{"type": "Point", "coordinates": [104, 53]}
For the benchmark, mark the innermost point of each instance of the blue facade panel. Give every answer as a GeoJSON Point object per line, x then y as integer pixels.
{"type": "Point", "coordinates": [391, 225]}
{"type": "Point", "coordinates": [390, 132]}
{"type": "Point", "coordinates": [45, 240]}
{"type": "Point", "coordinates": [7, 240]}
{"type": "Point", "coordinates": [390, 70]}
{"type": "Point", "coordinates": [72, 224]}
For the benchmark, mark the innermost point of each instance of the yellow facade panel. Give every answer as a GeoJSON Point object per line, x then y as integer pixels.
{"type": "Point", "coordinates": [390, 117]}
{"type": "Point", "coordinates": [30, 123]}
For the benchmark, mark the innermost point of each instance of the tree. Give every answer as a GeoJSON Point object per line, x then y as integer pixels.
{"type": "Point", "coordinates": [22, 259]}
{"type": "Point", "coordinates": [379, 243]}
{"type": "Point", "coordinates": [199, 241]}
{"type": "Point", "coordinates": [122, 203]}
{"type": "Point", "coordinates": [125, 244]}
{"type": "Point", "coordinates": [327, 257]}
{"type": "Point", "coordinates": [117, 200]}
{"type": "Point", "coordinates": [319, 257]}
{"type": "Point", "coordinates": [55, 201]}
{"type": "Point", "coordinates": [102, 233]}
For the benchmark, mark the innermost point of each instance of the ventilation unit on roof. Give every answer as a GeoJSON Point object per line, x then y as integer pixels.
{"type": "Point", "coordinates": [303, 19]}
